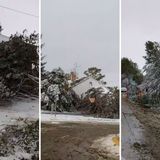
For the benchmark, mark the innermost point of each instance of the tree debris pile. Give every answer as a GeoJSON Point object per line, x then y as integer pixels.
{"type": "Point", "coordinates": [99, 104]}
{"type": "Point", "coordinates": [20, 138]}
{"type": "Point", "coordinates": [56, 92]}
{"type": "Point", "coordinates": [19, 66]}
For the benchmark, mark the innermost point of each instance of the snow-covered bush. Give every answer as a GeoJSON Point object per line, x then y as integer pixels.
{"type": "Point", "coordinates": [56, 93]}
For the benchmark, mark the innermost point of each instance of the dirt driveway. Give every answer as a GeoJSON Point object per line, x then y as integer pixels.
{"type": "Point", "coordinates": [72, 141]}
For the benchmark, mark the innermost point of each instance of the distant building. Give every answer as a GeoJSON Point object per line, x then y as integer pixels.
{"type": "Point", "coordinates": [3, 38]}
{"type": "Point", "coordinates": [87, 83]}
{"type": "Point", "coordinates": [129, 86]}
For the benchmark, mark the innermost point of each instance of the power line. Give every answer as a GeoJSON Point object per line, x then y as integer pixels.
{"type": "Point", "coordinates": [18, 11]}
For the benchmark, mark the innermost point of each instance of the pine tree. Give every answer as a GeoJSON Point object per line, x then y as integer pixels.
{"type": "Point", "coordinates": [130, 68]}
{"type": "Point", "coordinates": [152, 68]}
{"type": "Point", "coordinates": [95, 73]}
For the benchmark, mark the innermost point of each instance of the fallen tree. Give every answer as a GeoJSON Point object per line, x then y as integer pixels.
{"type": "Point", "coordinates": [99, 104]}
{"type": "Point", "coordinates": [57, 95]}
{"type": "Point", "coordinates": [19, 65]}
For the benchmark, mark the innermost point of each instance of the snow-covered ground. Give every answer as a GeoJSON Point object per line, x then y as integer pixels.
{"type": "Point", "coordinates": [17, 156]}
{"type": "Point", "coordinates": [11, 111]}
{"type": "Point", "coordinates": [16, 113]}
{"type": "Point", "coordinates": [104, 144]}
{"type": "Point", "coordinates": [47, 117]}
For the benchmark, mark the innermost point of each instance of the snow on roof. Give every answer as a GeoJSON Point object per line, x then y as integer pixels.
{"type": "Point", "coordinates": [79, 81]}
{"type": "Point", "coordinates": [3, 38]}
{"type": "Point", "coordinates": [86, 78]}
{"type": "Point", "coordinates": [87, 83]}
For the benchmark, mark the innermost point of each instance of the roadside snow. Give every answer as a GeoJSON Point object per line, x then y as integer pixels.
{"type": "Point", "coordinates": [63, 117]}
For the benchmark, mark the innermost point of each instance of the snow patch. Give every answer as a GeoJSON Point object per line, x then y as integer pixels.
{"type": "Point", "coordinates": [105, 146]}
{"type": "Point", "coordinates": [11, 112]}
{"type": "Point", "coordinates": [17, 156]}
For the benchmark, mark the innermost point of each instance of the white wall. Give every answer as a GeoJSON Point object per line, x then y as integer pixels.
{"type": "Point", "coordinates": [85, 85]}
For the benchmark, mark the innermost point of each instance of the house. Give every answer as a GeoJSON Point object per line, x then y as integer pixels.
{"type": "Point", "coordinates": [3, 38]}
{"type": "Point", "coordinates": [87, 83]}
{"type": "Point", "coordinates": [128, 86]}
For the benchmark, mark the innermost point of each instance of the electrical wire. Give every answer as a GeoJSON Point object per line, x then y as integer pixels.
{"type": "Point", "coordinates": [18, 11]}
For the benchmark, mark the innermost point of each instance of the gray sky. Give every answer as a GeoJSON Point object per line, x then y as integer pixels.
{"type": "Point", "coordinates": [13, 22]}
{"type": "Point", "coordinates": [85, 32]}
{"type": "Point", "coordinates": [140, 23]}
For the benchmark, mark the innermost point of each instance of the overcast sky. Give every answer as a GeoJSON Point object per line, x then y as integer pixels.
{"type": "Point", "coordinates": [140, 23]}
{"type": "Point", "coordinates": [13, 22]}
{"type": "Point", "coordinates": [83, 32]}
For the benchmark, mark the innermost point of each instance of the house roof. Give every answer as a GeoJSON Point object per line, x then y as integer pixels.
{"type": "Point", "coordinates": [86, 78]}
{"type": "Point", "coordinates": [79, 81]}
{"type": "Point", "coordinates": [3, 38]}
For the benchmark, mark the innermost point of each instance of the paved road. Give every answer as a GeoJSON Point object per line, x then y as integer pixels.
{"type": "Point", "coordinates": [132, 132]}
